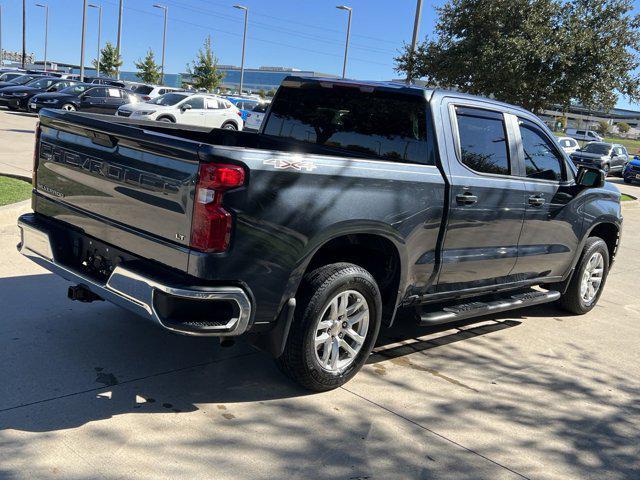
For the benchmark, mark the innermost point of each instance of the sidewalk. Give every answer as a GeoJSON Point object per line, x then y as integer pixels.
{"type": "Point", "coordinates": [16, 138]}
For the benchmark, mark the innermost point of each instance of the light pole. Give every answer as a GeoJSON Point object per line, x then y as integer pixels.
{"type": "Point", "coordinates": [414, 41]}
{"type": "Point", "coordinates": [118, 42]}
{"type": "Point", "coordinates": [346, 45]}
{"type": "Point", "coordinates": [84, 31]}
{"type": "Point", "coordinates": [46, 30]}
{"type": "Point", "coordinates": [24, 33]}
{"type": "Point", "coordinates": [164, 38]}
{"type": "Point", "coordinates": [99, 7]}
{"type": "Point", "coordinates": [1, 55]}
{"type": "Point", "coordinates": [244, 42]}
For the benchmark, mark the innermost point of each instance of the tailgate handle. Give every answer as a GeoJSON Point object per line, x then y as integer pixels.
{"type": "Point", "coordinates": [102, 139]}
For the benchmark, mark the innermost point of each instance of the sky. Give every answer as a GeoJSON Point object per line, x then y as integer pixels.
{"type": "Point", "coordinates": [305, 34]}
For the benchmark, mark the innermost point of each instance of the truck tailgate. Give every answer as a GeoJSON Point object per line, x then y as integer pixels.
{"type": "Point", "coordinates": [116, 181]}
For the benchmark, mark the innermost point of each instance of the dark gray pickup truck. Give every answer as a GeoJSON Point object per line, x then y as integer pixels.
{"type": "Point", "coordinates": [355, 200]}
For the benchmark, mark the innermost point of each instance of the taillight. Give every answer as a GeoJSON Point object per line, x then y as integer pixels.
{"type": "Point", "coordinates": [36, 155]}
{"type": "Point", "coordinates": [239, 113]}
{"type": "Point", "coordinates": [146, 98]}
{"type": "Point", "coordinates": [211, 224]}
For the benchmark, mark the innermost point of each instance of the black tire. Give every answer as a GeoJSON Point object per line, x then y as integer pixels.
{"type": "Point", "coordinates": [12, 108]}
{"type": "Point", "coordinates": [69, 107]}
{"type": "Point", "coordinates": [627, 180]}
{"type": "Point", "coordinates": [607, 168]}
{"type": "Point", "coordinates": [166, 120]}
{"type": "Point", "coordinates": [229, 126]}
{"type": "Point", "coordinates": [572, 300]}
{"type": "Point", "coordinates": [299, 360]}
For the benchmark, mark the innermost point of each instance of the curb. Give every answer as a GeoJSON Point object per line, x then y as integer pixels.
{"type": "Point", "coordinates": [17, 177]}
{"type": "Point", "coordinates": [10, 213]}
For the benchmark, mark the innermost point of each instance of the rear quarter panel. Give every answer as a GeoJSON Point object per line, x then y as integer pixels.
{"type": "Point", "coordinates": [293, 204]}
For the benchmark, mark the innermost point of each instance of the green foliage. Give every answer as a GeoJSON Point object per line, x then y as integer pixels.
{"type": "Point", "coordinates": [204, 69]}
{"type": "Point", "coordinates": [623, 127]}
{"type": "Point", "coordinates": [271, 92]}
{"type": "Point", "coordinates": [110, 60]}
{"type": "Point", "coordinates": [562, 121]}
{"type": "Point", "coordinates": [603, 127]}
{"type": "Point", "coordinates": [13, 190]}
{"type": "Point", "coordinates": [262, 93]}
{"type": "Point", "coordinates": [533, 53]}
{"type": "Point", "coordinates": [148, 69]}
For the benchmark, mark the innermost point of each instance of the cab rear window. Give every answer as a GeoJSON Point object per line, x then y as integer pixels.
{"type": "Point", "coordinates": [377, 124]}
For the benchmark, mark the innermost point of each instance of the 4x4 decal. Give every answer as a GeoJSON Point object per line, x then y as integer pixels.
{"type": "Point", "coordinates": [299, 165]}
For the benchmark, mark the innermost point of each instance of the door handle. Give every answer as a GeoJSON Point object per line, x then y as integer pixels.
{"type": "Point", "coordinates": [536, 200]}
{"type": "Point", "coordinates": [466, 198]}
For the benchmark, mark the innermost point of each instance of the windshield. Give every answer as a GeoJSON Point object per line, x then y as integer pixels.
{"type": "Point", "coordinates": [142, 89]}
{"type": "Point", "coordinates": [76, 89]}
{"type": "Point", "coordinates": [168, 99]}
{"type": "Point", "coordinates": [22, 79]}
{"type": "Point", "coordinates": [598, 148]}
{"type": "Point", "coordinates": [41, 83]}
{"type": "Point", "coordinates": [6, 77]}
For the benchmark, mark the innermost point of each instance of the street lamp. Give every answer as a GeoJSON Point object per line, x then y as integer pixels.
{"type": "Point", "coordinates": [46, 30]}
{"type": "Point", "coordinates": [164, 37]}
{"type": "Point", "coordinates": [414, 40]}
{"type": "Point", "coordinates": [99, 7]}
{"type": "Point", "coordinates": [346, 45]}
{"type": "Point", "coordinates": [244, 42]}
{"type": "Point", "coordinates": [1, 55]}
{"type": "Point", "coordinates": [118, 43]}
{"type": "Point", "coordinates": [84, 31]}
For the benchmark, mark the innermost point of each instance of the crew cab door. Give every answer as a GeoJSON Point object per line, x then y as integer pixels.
{"type": "Point", "coordinates": [486, 202]}
{"type": "Point", "coordinates": [553, 222]}
{"type": "Point", "coordinates": [214, 115]}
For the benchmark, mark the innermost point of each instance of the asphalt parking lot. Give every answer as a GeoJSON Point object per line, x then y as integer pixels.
{"type": "Point", "coordinates": [91, 391]}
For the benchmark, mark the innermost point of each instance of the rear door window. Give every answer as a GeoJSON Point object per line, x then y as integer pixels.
{"type": "Point", "coordinates": [483, 140]}
{"type": "Point", "coordinates": [541, 158]}
{"type": "Point", "coordinates": [360, 122]}
{"type": "Point", "coordinates": [97, 92]}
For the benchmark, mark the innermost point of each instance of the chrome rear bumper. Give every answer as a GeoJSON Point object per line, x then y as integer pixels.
{"type": "Point", "coordinates": [137, 292]}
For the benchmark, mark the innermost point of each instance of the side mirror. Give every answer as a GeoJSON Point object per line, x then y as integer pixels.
{"type": "Point", "coordinates": [186, 107]}
{"type": "Point", "coordinates": [590, 177]}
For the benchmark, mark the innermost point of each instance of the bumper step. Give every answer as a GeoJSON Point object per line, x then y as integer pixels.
{"type": "Point", "coordinates": [463, 311]}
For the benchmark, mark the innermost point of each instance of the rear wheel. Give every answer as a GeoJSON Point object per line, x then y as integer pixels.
{"type": "Point", "coordinates": [12, 108]}
{"type": "Point", "coordinates": [229, 126]}
{"type": "Point", "coordinates": [606, 169]}
{"type": "Point", "coordinates": [166, 120]}
{"type": "Point", "coordinates": [627, 180]}
{"type": "Point", "coordinates": [69, 107]}
{"type": "Point", "coordinates": [335, 327]}
{"type": "Point", "coordinates": [588, 279]}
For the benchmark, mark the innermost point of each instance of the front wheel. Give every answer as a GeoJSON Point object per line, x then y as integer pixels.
{"type": "Point", "coordinates": [69, 107]}
{"type": "Point", "coordinates": [607, 169]}
{"type": "Point", "coordinates": [588, 279]}
{"type": "Point", "coordinates": [335, 327]}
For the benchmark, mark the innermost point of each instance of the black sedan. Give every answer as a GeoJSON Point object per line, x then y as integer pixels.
{"type": "Point", "coordinates": [20, 80]}
{"type": "Point", "coordinates": [84, 97]}
{"type": "Point", "coordinates": [18, 97]}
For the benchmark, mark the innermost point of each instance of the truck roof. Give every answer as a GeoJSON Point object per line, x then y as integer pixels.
{"type": "Point", "coordinates": [396, 87]}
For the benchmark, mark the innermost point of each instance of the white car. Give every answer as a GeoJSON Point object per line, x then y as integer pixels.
{"type": "Point", "coordinates": [201, 110]}
{"type": "Point", "coordinates": [256, 116]}
{"type": "Point", "coordinates": [149, 92]}
{"type": "Point", "coordinates": [568, 144]}
{"type": "Point", "coordinates": [583, 135]}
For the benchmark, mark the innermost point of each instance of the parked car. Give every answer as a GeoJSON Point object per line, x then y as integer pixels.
{"type": "Point", "coordinates": [149, 92]}
{"type": "Point", "coordinates": [609, 157]}
{"type": "Point", "coordinates": [18, 97]}
{"type": "Point", "coordinates": [255, 116]}
{"type": "Point", "coordinates": [583, 135]}
{"type": "Point", "coordinates": [309, 236]}
{"type": "Point", "coordinates": [568, 144]}
{"type": "Point", "coordinates": [105, 81]}
{"type": "Point", "coordinates": [245, 105]}
{"type": "Point", "coordinates": [84, 97]}
{"type": "Point", "coordinates": [203, 110]}
{"type": "Point", "coordinates": [20, 80]}
{"type": "Point", "coordinates": [10, 75]}
{"type": "Point", "coordinates": [631, 172]}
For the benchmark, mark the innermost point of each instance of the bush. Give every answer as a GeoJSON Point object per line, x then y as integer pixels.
{"type": "Point", "coordinates": [623, 127]}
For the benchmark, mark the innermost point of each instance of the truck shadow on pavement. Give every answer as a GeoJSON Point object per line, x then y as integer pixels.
{"type": "Point", "coordinates": [66, 365]}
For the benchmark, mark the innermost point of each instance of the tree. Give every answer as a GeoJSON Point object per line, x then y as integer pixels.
{"type": "Point", "coordinates": [623, 127]}
{"type": "Point", "coordinates": [204, 69]}
{"type": "Point", "coordinates": [533, 53]}
{"type": "Point", "coordinates": [562, 121]}
{"type": "Point", "coordinates": [262, 93]}
{"type": "Point", "coordinates": [148, 69]}
{"type": "Point", "coordinates": [603, 127]}
{"type": "Point", "coordinates": [110, 60]}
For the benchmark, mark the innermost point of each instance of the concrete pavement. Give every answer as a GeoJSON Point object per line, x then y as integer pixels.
{"type": "Point", "coordinates": [16, 142]}
{"type": "Point", "coordinates": [91, 391]}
